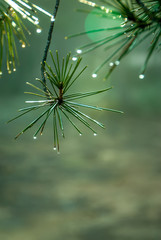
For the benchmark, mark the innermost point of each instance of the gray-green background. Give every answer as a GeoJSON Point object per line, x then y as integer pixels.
{"type": "Point", "coordinates": [104, 187]}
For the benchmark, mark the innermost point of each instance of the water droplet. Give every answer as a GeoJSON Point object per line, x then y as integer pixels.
{"type": "Point", "coordinates": [79, 51]}
{"type": "Point", "coordinates": [107, 10]}
{"type": "Point", "coordinates": [13, 24]}
{"type": "Point", "coordinates": [52, 19]}
{"type": "Point", "coordinates": [117, 63]}
{"type": "Point", "coordinates": [34, 137]}
{"type": "Point", "coordinates": [94, 75]}
{"type": "Point", "coordinates": [9, 71]}
{"type": "Point", "coordinates": [14, 69]}
{"type": "Point", "coordinates": [23, 45]}
{"type": "Point", "coordinates": [24, 16]}
{"type": "Point", "coordinates": [0, 72]}
{"type": "Point", "coordinates": [80, 134]}
{"type": "Point", "coordinates": [36, 22]}
{"type": "Point", "coordinates": [54, 148]}
{"type": "Point", "coordinates": [38, 30]}
{"type": "Point", "coordinates": [95, 134]}
{"type": "Point", "coordinates": [74, 58]}
{"type": "Point", "coordinates": [141, 76]}
{"type": "Point", "coordinates": [111, 64]}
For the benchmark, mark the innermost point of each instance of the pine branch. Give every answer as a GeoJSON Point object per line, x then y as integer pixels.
{"type": "Point", "coordinates": [48, 43]}
{"type": "Point", "coordinates": [55, 98]}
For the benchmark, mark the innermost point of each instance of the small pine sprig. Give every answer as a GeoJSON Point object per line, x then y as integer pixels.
{"type": "Point", "coordinates": [13, 13]}
{"type": "Point", "coordinates": [140, 20]}
{"type": "Point", "coordinates": [58, 103]}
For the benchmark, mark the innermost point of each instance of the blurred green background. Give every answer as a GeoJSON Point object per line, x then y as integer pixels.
{"type": "Point", "coordinates": [104, 187]}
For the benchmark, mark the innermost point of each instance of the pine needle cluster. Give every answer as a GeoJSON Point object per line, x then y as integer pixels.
{"type": "Point", "coordinates": [13, 14]}
{"type": "Point", "coordinates": [58, 103]}
{"type": "Point", "coordinates": [140, 20]}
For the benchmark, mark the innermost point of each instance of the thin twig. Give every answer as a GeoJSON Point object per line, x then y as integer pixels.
{"type": "Point", "coordinates": [48, 44]}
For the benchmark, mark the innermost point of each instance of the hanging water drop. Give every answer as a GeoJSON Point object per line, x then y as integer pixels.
{"type": "Point", "coordinates": [94, 75]}
{"type": "Point", "coordinates": [95, 134]}
{"type": "Point", "coordinates": [123, 24]}
{"type": "Point", "coordinates": [79, 51]}
{"type": "Point", "coordinates": [52, 19]}
{"type": "Point", "coordinates": [24, 16]}
{"type": "Point", "coordinates": [34, 137]}
{"type": "Point", "coordinates": [54, 148]}
{"type": "Point", "coordinates": [13, 24]}
{"type": "Point", "coordinates": [38, 30]}
{"type": "Point", "coordinates": [74, 58]}
{"type": "Point", "coordinates": [111, 64]}
{"type": "Point", "coordinates": [141, 76]}
{"type": "Point", "coordinates": [36, 22]}
{"type": "Point", "coordinates": [117, 62]}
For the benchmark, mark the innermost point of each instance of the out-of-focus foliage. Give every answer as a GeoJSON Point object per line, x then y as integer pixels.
{"type": "Point", "coordinates": [138, 21]}
{"type": "Point", "coordinates": [12, 17]}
